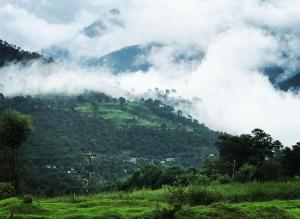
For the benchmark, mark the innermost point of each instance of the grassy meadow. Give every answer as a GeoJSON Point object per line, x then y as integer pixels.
{"type": "Point", "coordinates": [250, 200]}
{"type": "Point", "coordinates": [122, 115]}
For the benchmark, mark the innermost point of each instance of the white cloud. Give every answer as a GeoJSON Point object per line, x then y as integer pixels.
{"type": "Point", "coordinates": [237, 37]}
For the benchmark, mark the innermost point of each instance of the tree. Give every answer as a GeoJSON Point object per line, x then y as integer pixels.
{"type": "Point", "coordinates": [246, 173]}
{"type": "Point", "coordinates": [170, 175]}
{"type": "Point", "coordinates": [14, 131]}
{"type": "Point", "coordinates": [290, 160]}
{"type": "Point", "coordinates": [146, 176]}
{"type": "Point", "coordinates": [122, 101]}
{"type": "Point", "coordinates": [254, 148]}
{"type": "Point", "coordinates": [262, 147]}
{"type": "Point", "coordinates": [234, 148]}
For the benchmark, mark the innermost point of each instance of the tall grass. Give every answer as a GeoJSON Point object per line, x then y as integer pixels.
{"type": "Point", "coordinates": [256, 191]}
{"type": "Point", "coordinates": [199, 194]}
{"type": "Point", "coordinates": [139, 203]}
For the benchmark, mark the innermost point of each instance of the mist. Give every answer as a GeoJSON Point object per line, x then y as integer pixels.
{"type": "Point", "coordinates": [237, 38]}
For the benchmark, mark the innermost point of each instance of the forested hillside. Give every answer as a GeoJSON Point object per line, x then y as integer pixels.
{"type": "Point", "coordinates": [123, 135]}
{"type": "Point", "coordinates": [12, 54]}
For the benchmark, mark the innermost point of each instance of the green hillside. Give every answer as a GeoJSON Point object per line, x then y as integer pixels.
{"type": "Point", "coordinates": [123, 135]}
{"type": "Point", "coordinates": [12, 54]}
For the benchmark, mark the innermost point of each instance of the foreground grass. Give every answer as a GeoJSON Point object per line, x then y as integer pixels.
{"type": "Point", "coordinates": [250, 200]}
{"type": "Point", "coordinates": [96, 207]}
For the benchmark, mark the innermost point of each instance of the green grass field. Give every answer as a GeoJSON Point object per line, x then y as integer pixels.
{"type": "Point", "coordinates": [130, 113]}
{"type": "Point", "coordinates": [268, 200]}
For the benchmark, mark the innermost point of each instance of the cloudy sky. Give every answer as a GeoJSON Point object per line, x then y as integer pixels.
{"type": "Point", "coordinates": [237, 38]}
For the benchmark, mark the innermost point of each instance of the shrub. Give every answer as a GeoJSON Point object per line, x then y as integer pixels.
{"type": "Point", "coordinates": [50, 192]}
{"type": "Point", "coordinates": [27, 199]}
{"type": "Point", "coordinates": [146, 176]}
{"type": "Point", "coordinates": [296, 178]}
{"type": "Point", "coordinates": [246, 173]}
{"type": "Point", "coordinates": [162, 214]}
{"type": "Point", "coordinates": [268, 171]}
{"type": "Point", "coordinates": [202, 196]}
{"type": "Point", "coordinates": [201, 180]}
{"type": "Point", "coordinates": [223, 179]}
{"type": "Point", "coordinates": [176, 197]}
{"type": "Point", "coordinates": [6, 190]}
{"type": "Point", "coordinates": [171, 175]}
{"type": "Point", "coordinates": [258, 195]}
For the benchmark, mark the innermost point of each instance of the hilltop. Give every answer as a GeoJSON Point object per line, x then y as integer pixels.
{"type": "Point", "coordinates": [12, 54]}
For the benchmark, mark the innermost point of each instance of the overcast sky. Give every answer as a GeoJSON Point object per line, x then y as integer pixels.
{"type": "Point", "coordinates": [237, 37]}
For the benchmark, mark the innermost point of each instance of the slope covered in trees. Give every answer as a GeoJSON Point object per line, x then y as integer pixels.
{"type": "Point", "coordinates": [122, 134]}
{"type": "Point", "coordinates": [12, 54]}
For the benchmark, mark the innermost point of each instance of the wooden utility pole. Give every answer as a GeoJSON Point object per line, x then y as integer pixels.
{"type": "Point", "coordinates": [88, 157]}
{"type": "Point", "coordinates": [233, 168]}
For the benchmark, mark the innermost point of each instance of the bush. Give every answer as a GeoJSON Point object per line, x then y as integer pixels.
{"type": "Point", "coordinates": [176, 197]}
{"type": "Point", "coordinates": [146, 176]}
{"type": "Point", "coordinates": [50, 192]}
{"type": "Point", "coordinates": [6, 191]}
{"type": "Point", "coordinates": [201, 180]}
{"type": "Point", "coordinates": [258, 195]}
{"type": "Point", "coordinates": [223, 179]}
{"type": "Point", "coordinates": [202, 196]}
{"type": "Point", "coordinates": [268, 171]}
{"type": "Point", "coordinates": [296, 178]}
{"type": "Point", "coordinates": [246, 173]}
{"type": "Point", "coordinates": [162, 214]}
{"type": "Point", "coordinates": [27, 199]}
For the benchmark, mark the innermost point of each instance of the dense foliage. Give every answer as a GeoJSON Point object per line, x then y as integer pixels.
{"type": "Point", "coordinates": [122, 134]}
{"type": "Point", "coordinates": [255, 156]}
{"type": "Point", "coordinates": [245, 158]}
{"type": "Point", "coordinates": [11, 53]}
{"type": "Point", "coordinates": [14, 131]}
{"type": "Point", "coordinates": [137, 144]}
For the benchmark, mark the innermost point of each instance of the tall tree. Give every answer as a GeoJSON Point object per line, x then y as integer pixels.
{"type": "Point", "coordinates": [253, 149]}
{"type": "Point", "coordinates": [262, 147]}
{"type": "Point", "coordinates": [290, 160]}
{"type": "Point", "coordinates": [14, 131]}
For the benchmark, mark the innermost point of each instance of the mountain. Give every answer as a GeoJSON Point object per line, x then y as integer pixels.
{"type": "Point", "coordinates": [138, 58]}
{"type": "Point", "coordinates": [13, 54]}
{"type": "Point", "coordinates": [292, 83]}
{"type": "Point", "coordinates": [123, 134]}
{"type": "Point", "coordinates": [128, 59]}
{"type": "Point", "coordinates": [105, 24]}
{"type": "Point", "coordinates": [275, 73]}
{"type": "Point", "coordinates": [102, 27]}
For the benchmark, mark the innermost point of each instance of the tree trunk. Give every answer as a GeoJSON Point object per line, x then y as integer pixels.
{"type": "Point", "coordinates": [16, 171]}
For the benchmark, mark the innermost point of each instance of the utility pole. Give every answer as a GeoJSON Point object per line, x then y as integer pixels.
{"type": "Point", "coordinates": [233, 168]}
{"type": "Point", "coordinates": [88, 157]}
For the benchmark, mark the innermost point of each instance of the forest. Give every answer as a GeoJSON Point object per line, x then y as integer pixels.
{"type": "Point", "coordinates": [123, 134]}
{"type": "Point", "coordinates": [136, 144]}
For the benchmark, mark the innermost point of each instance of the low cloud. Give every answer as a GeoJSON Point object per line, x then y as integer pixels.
{"type": "Point", "coordinates": [237, 38]}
